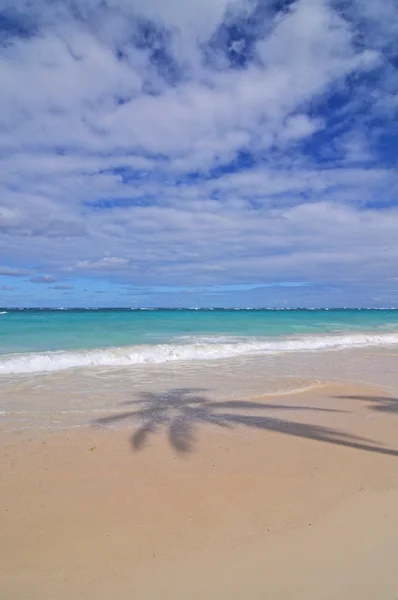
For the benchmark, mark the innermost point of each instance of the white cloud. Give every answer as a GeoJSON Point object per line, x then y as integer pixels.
{"type": "Point", "coordinates": [106, 263]}
{"type": "Point", "coordinates": [115, 163]}
{"type": "Point", "coordinates": [43, 279]}
{"type": "Point", "coordinates": [12, 272]}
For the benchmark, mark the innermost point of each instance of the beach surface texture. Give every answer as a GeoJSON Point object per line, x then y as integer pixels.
{"type": "Point", "coordinates": [263, 473]}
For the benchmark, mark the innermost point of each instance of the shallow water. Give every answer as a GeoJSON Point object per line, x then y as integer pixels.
{"type": "Point", "coordinates": [79, 397]}
{"type": "Point", "coordinates": [37, 341]}
{"type": "Point", "coordinates": [66, 368]}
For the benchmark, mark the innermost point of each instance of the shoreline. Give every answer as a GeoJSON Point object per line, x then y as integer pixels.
{"type": "Point", "coordinates": [201, 347]}
{"type": "Point", "coordinates": [249, 496]}
{"type": "Point", "coordinates": [75, 397]}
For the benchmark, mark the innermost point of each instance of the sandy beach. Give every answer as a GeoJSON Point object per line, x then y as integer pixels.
{"type": "Point", "coordinates": [199, 300]}
{"type": "Point", "coordinates": [291, 496]}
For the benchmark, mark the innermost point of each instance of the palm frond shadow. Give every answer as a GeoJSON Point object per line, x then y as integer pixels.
{"type": "Point", "coordinates": [377, 403]}
{"type": "Point", "coordinates": [180, 412]}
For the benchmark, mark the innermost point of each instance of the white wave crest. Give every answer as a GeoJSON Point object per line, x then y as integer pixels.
{"type": "Point", "coordinates": [163, 353]}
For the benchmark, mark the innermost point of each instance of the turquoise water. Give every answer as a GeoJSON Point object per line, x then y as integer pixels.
{"type": "Point", "coordinates": [29, 338]}
{"type": "Point", "coordinates": [41, 330]}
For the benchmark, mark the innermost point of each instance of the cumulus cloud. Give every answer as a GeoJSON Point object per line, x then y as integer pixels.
{"type": "Point", "coordinates": [13, 272]}
{"type": "Point", "coordinates": [43, 279]}
{"type": "Point", "coordinates": [202, 143]}
{"type": "Point", "coordinates": [107, 263]}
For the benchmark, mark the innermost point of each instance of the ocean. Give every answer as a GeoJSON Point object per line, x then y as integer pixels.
{"type": "Point", "coordinates": [39, 340]}
{"type": "Point", "coordinates": [63, 367]}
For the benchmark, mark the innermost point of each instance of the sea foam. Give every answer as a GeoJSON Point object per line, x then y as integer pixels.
{"type": "Point", "coordinates": [202, 350]}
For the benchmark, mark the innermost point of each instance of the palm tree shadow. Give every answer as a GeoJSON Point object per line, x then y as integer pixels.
{"type": "Point", "coordinates": [377, 403]}
{"type": "Point", "coordinates": [180, 412]}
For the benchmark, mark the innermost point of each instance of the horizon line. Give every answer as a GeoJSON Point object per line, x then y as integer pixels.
{"type": "Point", "coordinates": [194, 308]}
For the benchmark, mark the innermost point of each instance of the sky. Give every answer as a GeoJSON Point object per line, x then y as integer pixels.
{"type": "Point", "coordinates": [201, 153]}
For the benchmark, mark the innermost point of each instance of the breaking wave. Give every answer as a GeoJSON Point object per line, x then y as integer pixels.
{"type": "Point", "coordinates": [201, 350]}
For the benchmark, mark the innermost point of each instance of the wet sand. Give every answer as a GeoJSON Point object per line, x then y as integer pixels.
{"type": "Point", "coordinates": [290, 496]}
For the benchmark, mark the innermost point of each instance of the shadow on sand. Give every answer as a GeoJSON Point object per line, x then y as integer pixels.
{"type": "Point", "coordinates": [180, 412]}
{"type": "Point", "coordinates": [377, 403]}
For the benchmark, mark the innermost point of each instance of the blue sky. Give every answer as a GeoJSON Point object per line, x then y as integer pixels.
{"type": "Point", "coordinates": [202, 153]}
